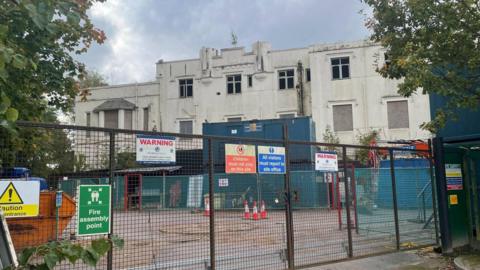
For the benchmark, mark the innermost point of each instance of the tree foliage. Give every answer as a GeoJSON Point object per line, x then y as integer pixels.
{"type": "Point", "coordinates": [47, 256]}
{"type": "Point", "coordinates": [92, 79]}
{"type": "Point", "coordinates": [434, 47]}
{"type": "Point", "coordinates": [366, 139]}
{"type": "Point", "coordinates": [38, 39]}
{"type": "Point", "coordinates": [47, 152]}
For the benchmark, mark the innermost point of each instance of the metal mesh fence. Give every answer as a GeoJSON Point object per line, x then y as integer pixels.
{"type": "Point", "coordinates": [258, 218]}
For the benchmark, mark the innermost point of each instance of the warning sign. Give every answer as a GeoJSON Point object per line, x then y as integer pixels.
{"type": "Point", "coordinates": [10, 195]}
{"type": "Point", "coordinates": [240, 158]}
{"type": "Point", "coordinates": [453, 172]}
{"type": "Point", "coordinates": [19, 198]}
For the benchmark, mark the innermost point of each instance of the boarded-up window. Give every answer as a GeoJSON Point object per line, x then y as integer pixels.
{"type": "Point", "coordinates": [186, 127]}
{"type": "Point", "coordinates": [287, 115]}
{"type": "Point", "coordinates": [234, 119]}
{"type": "Point", "coordinates": [146, 113]}
{"type": "Point", "coordinates": [111, 119]}
{"type": "Point", "coordinates": [342, 117]}
{"type": "Point", "coordinates": [397, 114]}
{"type": "Point", "coordinates": [128, 119]}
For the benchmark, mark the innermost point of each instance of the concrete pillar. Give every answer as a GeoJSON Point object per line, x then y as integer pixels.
{"type": "Point", "coordinates": [101, 119]}
{"type": "Point", "coordinates": [121, 119]}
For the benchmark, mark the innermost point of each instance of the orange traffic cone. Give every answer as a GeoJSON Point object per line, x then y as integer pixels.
{"type": "Point", "coordinates": [263, 211]}
{"type": "Point", "coordinates": [207, 207]}
{"type": "Point", "coordinates": [255, 211]}
{"type": "Point", "coordinates": [247, 210]}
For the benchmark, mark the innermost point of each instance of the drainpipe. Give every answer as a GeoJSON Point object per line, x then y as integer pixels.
{"type": "Point", "coordinates": [136, 105]}
{"type": "Point", "coordinates": [300, 91]}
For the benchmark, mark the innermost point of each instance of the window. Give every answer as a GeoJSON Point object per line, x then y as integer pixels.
{"type": "Point", "coordinates": [185, 88]}
{"type": "Point", "coordinates": [186, 127]}
{"type": "Point", "coordinates": [397, 114]}
{"type": "Point", "coordinates": [234, 84]}
{"type": "Point", "coordinates": [234, 119]}
{"type": "Point", "coordinates": [287, 115]}
{"type": "Point", "coordinates": [340, 68]}
{"type": "Point", "coordinates": [146, 114]}
{"type": "Point", "coordinates": [128, 119]}
{"type": "Point", "coordinates": [250, 80]}
{"type": "Point", "coordinates": [342, 117]}
{"type": "Point", "coordinates": [285, 79]}
{"type": "Point", "coordinates": [307, 75]}
{"type": "Point", "coordinates": [88, 123]}
{"type": "Point", "coordinates": [111, 119]}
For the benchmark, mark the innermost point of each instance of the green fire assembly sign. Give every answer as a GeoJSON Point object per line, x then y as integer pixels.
{"type": "Point", "coordinates": [93, 209]}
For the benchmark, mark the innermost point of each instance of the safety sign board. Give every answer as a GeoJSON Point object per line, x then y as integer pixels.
{"type": "Point", "coordinates": [93, 209]}
{"type": "Point", "coordinates": [271, 159]}
{"type": "Point", "coordinates": [453, 199]}
{"type": "Point", "coordinates": [453, 172]}
{"type": "Point", "coordinates": [240, 158]}
{"type": "Point", "coordinates": [155, 149]}
{"type": "Point", "coordinates": [326, 162]}
{"type": "Point", "coordinates": [19, 198]}
{"type": "Point", "coordinates": [223, 182]}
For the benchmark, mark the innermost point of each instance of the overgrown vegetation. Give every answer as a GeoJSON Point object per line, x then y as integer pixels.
{"type": "Point", "coordinates": [47, 256]}
{"type": "Point", "coordinates": [366, 139]}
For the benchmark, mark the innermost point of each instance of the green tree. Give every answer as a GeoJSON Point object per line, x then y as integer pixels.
{"type": "Point", "coordinates": [329, 136]}
{"type": "Point", "coordinates": [434, 47]}
{"type": "Point", "coordinates": [48, 255]}
{"type": "Point", "coordinates": [38, 39]}
{"type": "Point", "coordinates": [366, 139]}
{"type": "Point", "coordinates": [92, 79]}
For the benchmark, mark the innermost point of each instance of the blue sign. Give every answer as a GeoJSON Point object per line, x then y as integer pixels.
{"type": "Point", "coordinates": [271, 159]}
{"type": "Point", "coordinates": [58, 199]}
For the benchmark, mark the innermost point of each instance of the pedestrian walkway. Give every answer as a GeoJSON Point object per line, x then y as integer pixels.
{"type": "Point", "coordinates": [408, 260]}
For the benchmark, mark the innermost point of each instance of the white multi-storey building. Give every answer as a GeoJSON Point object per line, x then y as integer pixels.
{"type": "Point", "coordinates": [335, 84]}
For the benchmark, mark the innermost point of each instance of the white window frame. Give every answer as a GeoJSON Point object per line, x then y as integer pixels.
{"type": "Point", "coordinates": [183, 87]}
{"type": "Point", "coordinates": [340, 66]}
{"type": "Point", "coordinates": [286, 77]}
{"type": "Point", "coordinates": [234, 83]}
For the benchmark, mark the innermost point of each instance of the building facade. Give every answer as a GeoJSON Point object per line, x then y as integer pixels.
{"type": "Point", "coordinates": [335, 84]}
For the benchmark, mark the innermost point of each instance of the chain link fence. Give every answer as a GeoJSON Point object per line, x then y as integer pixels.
{"type": "Point", "coordinates": [210, 210]}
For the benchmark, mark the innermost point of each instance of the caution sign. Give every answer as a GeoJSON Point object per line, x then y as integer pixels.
{"type": "Point", "coordinates": [19, 198]}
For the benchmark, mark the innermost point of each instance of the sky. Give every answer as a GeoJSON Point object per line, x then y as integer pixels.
{"type": "Point", "coordinates": [140, 32]}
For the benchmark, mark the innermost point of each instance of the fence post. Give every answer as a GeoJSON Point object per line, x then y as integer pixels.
{"type": "Point", "coordinates": [433, 185]}
{"type": "Point", "coordinates": [347, 201]}
{"type": "Point", "coordinates": [394, 196]}
{"type": "Point", "coordinates": [111, 168]}
{"type": "Point", "coordinates": [288, 205]}
{"type": "Point", "coordinates": [441, 186]}
{"type": "Point", "coordinates": [212, 204]}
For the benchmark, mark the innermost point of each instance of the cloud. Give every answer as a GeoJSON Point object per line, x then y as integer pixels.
{"type": "Point", "coordinates": [141, 32]}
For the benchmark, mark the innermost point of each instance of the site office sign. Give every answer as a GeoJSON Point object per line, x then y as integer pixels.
{"type": "Point", "coordinates": [19, 198]}
{"type": "Point", "coordinates": [240, 158]}
{"type": "Point", "coordinates": [155, 149]}
{"type": "Point", "coordinates": [93, 209]}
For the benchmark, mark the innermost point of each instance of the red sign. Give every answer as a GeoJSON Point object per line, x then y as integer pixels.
{"type": "Point", "coordinates": [240, 158]}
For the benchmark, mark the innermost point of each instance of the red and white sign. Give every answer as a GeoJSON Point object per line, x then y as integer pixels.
{"type": "Point", "coordinates": [326, 162]}
{"type": "Point", "coordinates": [240, 158]}
{"type": "Point", "coordinates": [155, 149]}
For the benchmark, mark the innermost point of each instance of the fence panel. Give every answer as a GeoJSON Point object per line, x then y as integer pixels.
{"type": "Point", "coordinates": [244, 237]}
{"type": "Point", "coordinates": [164, 213]}
{"type": "Point", "coordinates": [317, 199]}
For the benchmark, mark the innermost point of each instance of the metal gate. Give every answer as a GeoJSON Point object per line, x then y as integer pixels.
{"type": "Point", "coordinates": [195, 213]}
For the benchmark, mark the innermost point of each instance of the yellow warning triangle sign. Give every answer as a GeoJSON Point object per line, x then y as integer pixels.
{"type": "Point", "coordinates": [10, 195]}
